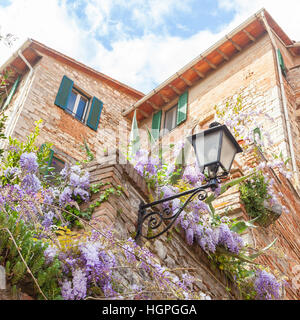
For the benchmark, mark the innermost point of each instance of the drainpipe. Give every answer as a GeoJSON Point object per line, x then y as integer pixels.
{"type": "Point", "coordinates": [284, 102]}
{"type": "Point", "coordinates": [20, 103]}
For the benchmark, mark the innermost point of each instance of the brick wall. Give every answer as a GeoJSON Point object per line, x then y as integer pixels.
{"type": "Point", "coordinates": [120, 213]}
{"type": "Point", "coordinates": [284, 256]}
{"type": "Point", "coordinates": [250, 74]}
{"type": "Point", "coordinates": [60, 128]}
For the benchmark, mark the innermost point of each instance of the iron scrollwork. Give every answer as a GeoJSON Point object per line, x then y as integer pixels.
{"type": "Point", "coordinates": [155, 217]}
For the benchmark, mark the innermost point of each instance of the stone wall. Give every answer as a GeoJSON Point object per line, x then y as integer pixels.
{"type": "Point", "coordinates": [62, 129]}
{"type": "Point", "coordinates": [120, 213]}
{"type": "Point", "coordinates": [251, 75]}
{"type": "Point", "coordinates": [284, 256]}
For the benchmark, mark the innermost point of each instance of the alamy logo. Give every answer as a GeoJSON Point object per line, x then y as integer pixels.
{"type": "Point", "coordinates": [2, 278]}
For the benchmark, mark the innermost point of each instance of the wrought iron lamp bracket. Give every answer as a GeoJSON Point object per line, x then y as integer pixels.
{"type": "Point", "coordinates": [156, 217]}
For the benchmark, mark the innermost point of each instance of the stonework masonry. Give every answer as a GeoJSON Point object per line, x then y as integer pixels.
{"type": "Point", "coordinates": [120, 214]}
{"type": "Point", "coordinates": [251, 75]}
{"type": "Point", "coordinates": [62, 129]}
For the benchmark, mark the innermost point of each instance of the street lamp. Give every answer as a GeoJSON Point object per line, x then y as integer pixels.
{"type": "Point", "coordinates": [215, 149]}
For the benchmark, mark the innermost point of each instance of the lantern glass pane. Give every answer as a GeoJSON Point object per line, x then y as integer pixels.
{"type": "Point", "coordinates": [207, 147]}
{"type": "Point", "coordinates": [227, 153]}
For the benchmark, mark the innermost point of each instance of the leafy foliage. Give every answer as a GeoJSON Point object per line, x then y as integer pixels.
{"type": "Point", "coordinates": [254, 193]}
{"type": "Point", "coordinates": [32, 250]}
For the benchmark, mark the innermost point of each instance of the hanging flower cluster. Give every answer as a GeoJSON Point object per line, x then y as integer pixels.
{"type": "Point", "coordinates": [91, 262]}
{"type": "Point", "coordinates": [267, 286]}
{"type": "Point", "coordinates": [196, 222]}
{"type": "Point", "coordinates": [94, 262]}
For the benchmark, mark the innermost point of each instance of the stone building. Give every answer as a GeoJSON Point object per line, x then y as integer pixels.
{"type": "Point", "coordinates": [256, 61]}
{"type": "Point", "coordinates": [76, 103]}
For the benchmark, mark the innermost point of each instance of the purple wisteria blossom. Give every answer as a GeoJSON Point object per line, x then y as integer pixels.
{"type": "Point", "coordinates": [48, 220]}
{"type": "Point", "coordinates": [66, 197]}
{"type": "Point", "coordinates": [28, 162]}
{"type": "Point", "coordinates": [145, 164]}
{"type": "Point", "coordinates": [189, 236]}
{"type": "Point", "coordinates": [266, 286]}
{"type": "Point", "coordinates": [11, 171]}
{"type": "Point", "coordinates": [50, 253]}
{"type": "Point", "coordinates": [48, 195]}
{"type": "Point", "coordinates": [129, 250]}
{"type": "Point", "coordinates": [208, 239]}
{"type": "Point", "coordinates": [90, 252]}
{"type": "Point", "coordinates": [67, 290]}
{"type": "Point", "coordinates": [31, 183]}
{"type": "Point", "coordinates": [230, 240]}
{"type": "Point", "coordinates": [79, 284]}
{"type": "Point", "coordinates": [193, 175]}
{"type": "Point", "coordinates": [199, 207]}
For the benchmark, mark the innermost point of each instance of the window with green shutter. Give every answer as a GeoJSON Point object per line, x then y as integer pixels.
{"type": "Point", "coordinates": [182, 108]}
{"type": "Point", "coordinates": [11, 93]}
{"type": "Point", "coordinates": [75, 102]}
{"type": "Point", "coordinates": [95, 113]}
{"type": "Point", "coordinates": [64, 92]}
{"type": "Point", "coordinates": [175, 115]}
{"type": "Point", "coordinates": [281, 62]}
{"type": "Point", "coordinates": [155, 128]}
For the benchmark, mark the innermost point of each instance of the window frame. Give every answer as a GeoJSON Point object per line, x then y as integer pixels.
{"type": "Point", "coordinates": [55, 158]}
{"type": "Point", "coordinates": [175, 106]}
{"type": "Point", "coordinates": [87, 107]}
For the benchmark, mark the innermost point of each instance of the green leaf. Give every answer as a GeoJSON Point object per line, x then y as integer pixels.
{"type": "Point", "coordinates": [260, 252]}
{"type": "Point", "coordinates": [240, 226]}
{"type": "Point", "coordinates": [228, 185]}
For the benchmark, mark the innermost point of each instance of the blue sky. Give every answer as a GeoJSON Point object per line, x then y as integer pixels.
{"type": "Point", "coordinates": [138, 42]}
{"type": "Point", "coordinates": [182, 20]}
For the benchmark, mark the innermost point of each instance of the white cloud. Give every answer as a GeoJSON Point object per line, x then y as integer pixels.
{"type": "Point", "coordinates": [49, 24]}
{"type": "Point", "coordinates": [141, 61]}
{"type": "Point", "coordinates": [286, 13]}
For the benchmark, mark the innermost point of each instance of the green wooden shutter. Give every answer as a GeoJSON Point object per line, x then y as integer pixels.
{"type": "Point", "coordinates": [281, 62]}
{"type": "Point", "coordinates": [49, 159]}
{"type": "Point", "coordinates": [182, 108]}
{"type": "Point", "coordinates": [11, 93]}
{"type": "Point", "coordinates": [155, 128]}
{"type": "Point", "coordinates": [64, 92]}
{"type": "Point", "coordinates": [95, 113]}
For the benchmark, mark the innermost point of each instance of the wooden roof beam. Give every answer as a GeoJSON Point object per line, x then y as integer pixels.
{"type": "Point", "coordinates": [209, 63]}
{"type": "Point", "coordinates": [153, 105]}
{"type": "Point", "coordinates": [223, 54]}
{"type": "Point", "coordinates": [166, 100]}
{"type": "Point", "coordinates": [175, 89]}
{"type": "Point", "coordinates": [234, 43]}
{"type": "Point", "coordinates": [145, 114]}
{"type": "Point", "coordinates": [249, 35]}
{"type": "Point", "coordinates": [200, 74]}
{"type": "Point", "coordinates": [186, 81]}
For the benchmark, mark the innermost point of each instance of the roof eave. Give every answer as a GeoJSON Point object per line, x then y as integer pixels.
{"type": "Point", "coordinates": [214, 47]}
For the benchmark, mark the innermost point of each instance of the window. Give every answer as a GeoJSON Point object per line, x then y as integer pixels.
{"type": "Point", "coordinates": [57, 164]}
{"type": "Point", "coordinates": [5, 101]}
{"type": "Point", "coordinates": [170, 118]}
{"type": "Point", "coordinates": [73, 101]}
{"type": "Point", "coordinates": [77, 105]}
{"type": "Point", "coordinates": [281, 62]}
{"type": "Point", "coordinates": [173, 117]}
